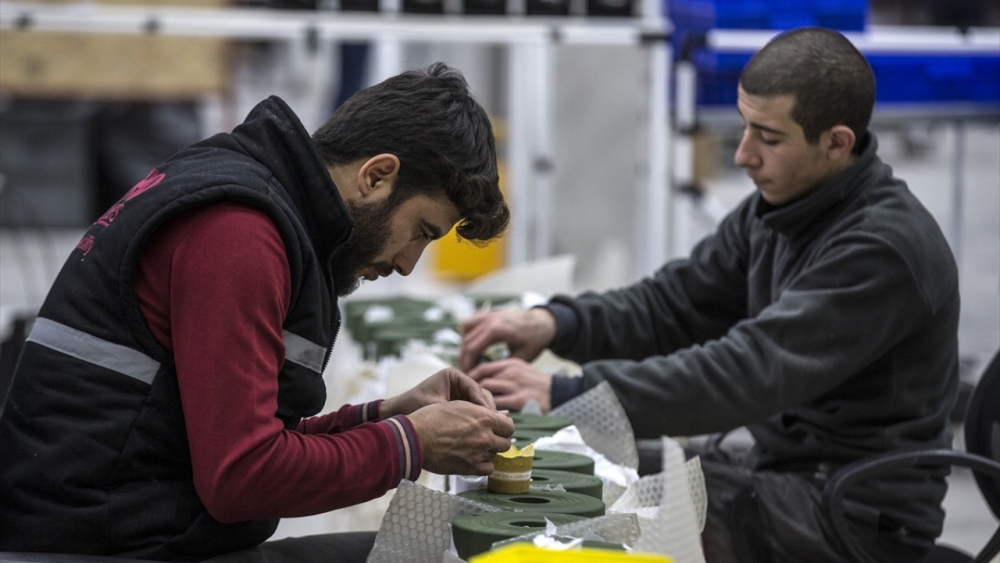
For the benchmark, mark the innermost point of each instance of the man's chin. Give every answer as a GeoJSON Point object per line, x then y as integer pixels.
{"type": "Point", "coordinates": [351, 288]}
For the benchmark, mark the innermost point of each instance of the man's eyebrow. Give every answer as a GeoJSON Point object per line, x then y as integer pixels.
{"type": "Point", "coordinates": [434, 230]}
{"type": "Point", "coordinates": [761, 126]}
{"type": "Point", "coordinates": [765, 128]}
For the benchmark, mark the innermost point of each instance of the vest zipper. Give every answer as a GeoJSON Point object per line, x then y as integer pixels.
{"type": "Point", "coordinates": [336, 304]}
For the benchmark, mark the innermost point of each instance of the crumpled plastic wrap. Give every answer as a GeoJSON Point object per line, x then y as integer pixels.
{"type": "Point", "coordinates": [612, 528]}
{"type": "Point", "coordinates": [670, 506]}
{"type": "Point", "coordinates": [416, 527]}
{"type": "Point", "coordinates": [603, 424]}
{"type": "Point", "coordinates": [616, 477]}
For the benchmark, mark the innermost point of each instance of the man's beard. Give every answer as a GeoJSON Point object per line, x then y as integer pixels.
{"type": "Point", "coordinates": [369, 239]}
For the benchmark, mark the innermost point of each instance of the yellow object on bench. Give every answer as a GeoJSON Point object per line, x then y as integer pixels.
{"type": "Point", "coordinates": [524, 553]}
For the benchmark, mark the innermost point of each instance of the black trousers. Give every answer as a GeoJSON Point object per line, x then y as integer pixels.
{"type": "Point", "coordinates": [777, 517]}
{"type": "Point", "coordinates": [352, 547]}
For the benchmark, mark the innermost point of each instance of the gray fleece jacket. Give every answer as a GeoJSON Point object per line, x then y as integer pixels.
{"type": "Point", "coordinates": [827, 326]}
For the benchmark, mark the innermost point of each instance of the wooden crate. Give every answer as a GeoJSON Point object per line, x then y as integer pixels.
{"type": "Point", "coordinates": [131, 67]}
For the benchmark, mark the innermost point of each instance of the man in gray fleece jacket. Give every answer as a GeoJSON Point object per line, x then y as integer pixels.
{"type": "Point", "coordinates": [822, 315]}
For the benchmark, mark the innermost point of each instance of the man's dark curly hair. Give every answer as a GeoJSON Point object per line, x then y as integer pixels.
{"type": "Point", "coordinates": [441, 135]}
{"type": "Point", "coordinates": [830, 79]}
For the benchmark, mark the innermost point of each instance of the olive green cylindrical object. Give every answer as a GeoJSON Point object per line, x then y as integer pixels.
{"type": "Point", "coordinates": [563, 461]}
{"type": "Point", "coordinates": [556, 502]}
{"type": "Point", "coordinates": [539, 422]}
{"type": "Point", "coordinates": [572, 482]}
{"type": "Point", "coordinates": [477, 534]}
{"type": "Point", "coordinates": [522, 438]}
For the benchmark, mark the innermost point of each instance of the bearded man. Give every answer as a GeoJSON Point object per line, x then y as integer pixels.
{"type": "Point", "coordinates": [163, 405]}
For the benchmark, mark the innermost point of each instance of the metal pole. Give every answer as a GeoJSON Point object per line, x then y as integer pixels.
{"type": "Point", "coordinates": [958, 192]}
{"type": "Point", "coordinates": [542, 160]}
{"type": "Point", "coordinates": [683, 172]}
{"type": "Point", "coordinates": [655, 212]}
{"type": "Point", "coordinates": [518, 154]}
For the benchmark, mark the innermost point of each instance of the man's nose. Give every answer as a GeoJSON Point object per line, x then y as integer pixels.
{"type": "Point", "coordinates": [407, 259]}
{"type": "Point", "coordinates": [744, 157]}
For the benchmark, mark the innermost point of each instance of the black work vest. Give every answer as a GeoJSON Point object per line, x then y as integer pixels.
{"type": "Point", "coordinates": [94, 457]}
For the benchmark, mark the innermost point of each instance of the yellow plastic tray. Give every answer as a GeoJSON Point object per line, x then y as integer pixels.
{"type": "Point", "coordinates": [524, 553]}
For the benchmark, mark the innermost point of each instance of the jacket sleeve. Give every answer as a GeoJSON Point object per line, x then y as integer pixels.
{"type": "Point", "coordinates": [686, 302]}
{"type": "Point", "coordinates": [347, 417]}
{"type": "Point", "coordinates": [227, 342]}
{"type": "Point", "coordinates": [847, 308]}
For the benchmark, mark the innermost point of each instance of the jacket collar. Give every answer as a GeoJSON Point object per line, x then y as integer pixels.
{"type": "Point", "coordinates": [795, 218]}
{"type": "Point", "coordinates": [273, 135]}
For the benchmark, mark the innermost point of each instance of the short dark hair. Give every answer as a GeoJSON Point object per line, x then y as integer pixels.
{"type": "Point", "coordinates": [441, 135]}
{"type": "Point", "coordinates": [830, 79]}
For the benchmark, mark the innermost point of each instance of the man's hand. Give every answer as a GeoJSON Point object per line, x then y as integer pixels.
{"type": "Point", "coordinates": [513, 382]}
{"type": "Point", "coordinates": [526, 333]}
{"type": "Point", "coordinates": [446, 385]}
{"type": "Point", "coordinates": [460, 438]}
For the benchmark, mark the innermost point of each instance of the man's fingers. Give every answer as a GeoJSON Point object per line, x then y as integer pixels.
{"type": "Point", "coordinates": [480, 396]}
{"type": "Point", "coordinates": [502, 427]}
{"type": "Point", "coordinates": [500, 387]}
{"type": "Point", "coordinates": [464, 387]}
{"type": "Point", "coordinates": [484, 468]}
{"type": "Point", "coordinates": [500, 444]}
{"type": "Point", "coordinates": [479, 333]}
{"type": "Point", "coordinates": [512, 402]}
{"type": "Point", "coordinates": [473, 321]}
{"type": "Point", "coordinates": [486, 370]}
{"type": "Point", "coordinates": [488, 395]}
{"type": "Point", "coordinates": [503, 369]}
{"type": "Point", "coordinates": [473, 345]}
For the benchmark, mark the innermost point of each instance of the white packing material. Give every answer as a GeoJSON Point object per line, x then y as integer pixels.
{"type": "Point", "coordinates": [612, 528]}
{"type": "Point", "coordinates": [675, 530]}
{"type": "Point", "coordinates": [461, 483]}
{"type": "Point", "coordinates": [602, 422]}
{"type": "Point", "coordinates": [417, 525]}
{"type": "Point", "coordinates": [616, 478]}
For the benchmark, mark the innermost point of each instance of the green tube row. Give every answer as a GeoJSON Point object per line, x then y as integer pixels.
{"type": "Point", "coordinates": [539, 422]}
{"type": "Point", "coordinates": [563, 461]}
{"type": "Point", "coordinates": [522, 438]}
{"type": "Point", "coordinates": [555, 502]}
{"type": "Point", "coordinates": [572, 482]}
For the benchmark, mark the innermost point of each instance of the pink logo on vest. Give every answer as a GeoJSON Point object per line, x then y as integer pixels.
{"type": "Point", "coordinates": [85, 244]}
{"type": "Point", "coordinates": [151, 181]}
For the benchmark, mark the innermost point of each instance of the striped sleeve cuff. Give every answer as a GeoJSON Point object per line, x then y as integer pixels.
{"type": "Point", "coordinates": [407, 447]}
{"type": "Point", "coordinates": [367, 412]}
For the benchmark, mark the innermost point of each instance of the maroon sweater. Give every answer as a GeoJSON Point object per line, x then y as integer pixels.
{"type": "Point", "coordinates": [214, 286]}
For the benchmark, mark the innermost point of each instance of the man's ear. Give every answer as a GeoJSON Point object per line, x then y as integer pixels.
{"type": "Point", "coordinates": [377, 173]}
{"type": "Point", "coordinates": [840, 143]}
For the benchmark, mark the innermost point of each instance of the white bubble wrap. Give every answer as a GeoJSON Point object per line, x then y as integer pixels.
{"type": "Point", "coordinates": [603, 424]}
{"type": "Point", "coordinates": [675, 529]}
{"type": "Point", "coordinates": [696, 486]}
{"type": "Point", "coordinates": [416, 527]}
{"type": "Point", "coordinates": [611, 491]}
{"type": "Point", "coordinates": [647, 492]}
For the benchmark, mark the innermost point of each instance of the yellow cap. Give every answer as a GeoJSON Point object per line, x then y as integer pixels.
{"type": "Point", "coordinates": [528, 451]}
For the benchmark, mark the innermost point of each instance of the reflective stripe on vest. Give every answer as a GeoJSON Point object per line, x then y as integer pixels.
{"type": "Point", "coordinates": [300, 351]}
{"type": "Point", "coordinates": [135, 364]}
{"type": "Point", "coordinates": [89, 348]}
